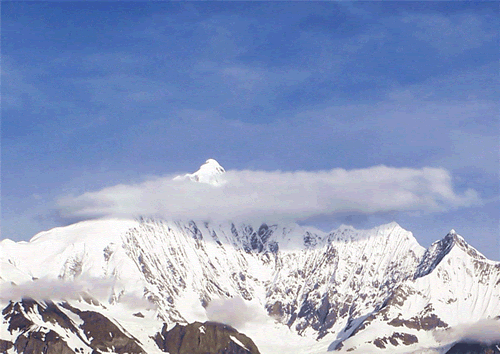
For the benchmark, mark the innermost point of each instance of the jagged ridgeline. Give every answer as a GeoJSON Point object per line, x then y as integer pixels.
{"type": "Point", "coordinates": [155, 286]}
{"type": "Point", "coordinates": [95, 333]}
{"type": "Point", "coordinates": [348, 290]}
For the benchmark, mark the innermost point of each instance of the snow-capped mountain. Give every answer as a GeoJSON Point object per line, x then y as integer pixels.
{"type": "Point", "coordinates": [290, 288]}
{"type": "Point", "coordinates": [210, 172]}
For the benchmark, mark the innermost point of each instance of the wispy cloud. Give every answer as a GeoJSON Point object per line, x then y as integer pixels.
{"type": "Point", "coordinates": [283, 85]}
{"type": "Point", "coordinates": [277, 195]}
{"type": "Point", "coordinates": [59, 289]}
{"type": "Point", "coordinates": [235, 312]}
{"type": "Point", "coordinates": [451, 35]}
{"type": "Point", "coordinates": [55, 289]}
{"type": "Point", "coordinates": [17, 91]}
{"type": "Point", "coordinates": [486, 331]}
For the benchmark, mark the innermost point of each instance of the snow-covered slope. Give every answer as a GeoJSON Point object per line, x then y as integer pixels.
{"type": "Point", "coordinates": [290, 288]}
{"type": "Point", "coordinates": [453, 285]}
{"type": "Point", "coordinates": [332, 287]}
{"type": "Point", "coordinates": [210, 172]}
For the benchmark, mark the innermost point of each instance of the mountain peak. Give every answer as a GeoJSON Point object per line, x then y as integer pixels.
{"type": "Point", "coordinates": [460, 242]}
{"type": "Point", "coordinates": [211, 165]}
{"type": "Point", "coordinates": [435, 254]}
{"type": "Point", "coordinates": [441, 248]}
{"type": "Point", "coordinates": [210, 173]}
{"type": "Point", "coordinates": [355, 285]}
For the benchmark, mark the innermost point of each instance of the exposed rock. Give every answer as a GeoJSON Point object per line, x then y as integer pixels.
{"type": "Point", "coordinates": [5, 345]}
{"type": "Point", "coordinates": [405, 338]}
{"type": "Point", "coordinates": [474, 348]}
{"type": "Point", "coordinates": [100, 333]}
{"type": "Point", "coordinates": [379, 343]}
{"type": "Point", "coordinates": [435, 254]}
{"type": "Point", "coordinates": [42, 341]}
{"type": "Point", "coordinates": [426, 323]}
{"type": "Point", "coordinates": [107, 335]}
{"type": "Point", "coordinates": [204, 338]}
{"type": "Point", "coordinates": [276, 310]}
{"type": "Point", "coordinates": [13, 314]}
{"type": "Point", "coordinates": [317, 284]}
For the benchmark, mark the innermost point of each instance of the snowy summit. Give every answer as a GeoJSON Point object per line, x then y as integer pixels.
{"type": "Point", "coordinates": [293, 289]}
{"type": "Point", "coordinates": [210, 172]}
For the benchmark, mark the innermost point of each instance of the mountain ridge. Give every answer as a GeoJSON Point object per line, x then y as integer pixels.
{"type": "Point", "coordinates": [347, 290]}
{"type": "Point", "coordinates": [317, 284]}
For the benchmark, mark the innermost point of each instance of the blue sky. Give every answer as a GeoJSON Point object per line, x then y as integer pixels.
{"type": "Point", "coordinates": [96, 94]}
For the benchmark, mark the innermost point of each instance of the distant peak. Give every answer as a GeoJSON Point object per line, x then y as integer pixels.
{"type": "Point", "coordinates": [454, 238]}
{"type": "Point", "coordinates": [441, 248]}
{"type": "Point", "coordinates": [386, 233]}
{"type": "Point", "coordinates": [212, 162]}
{"type": "Point", "coordinates": [346, 227]}
{"type": "Point", "coordinates": [391, 225]}
{"type": "Point", "coordinates": [211, 165]}
{"type": "Point", "coordinates": [210, 172]}
{"type": "Point", "coordinates": [388, 226]}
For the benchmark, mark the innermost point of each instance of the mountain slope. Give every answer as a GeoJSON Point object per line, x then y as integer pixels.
{"type": "Point", "coordinates": [329, 286]}
{"type": "Point", "coordinates": [310, 291]}
{"type": "Point", "coordinates": [453, 284]}
{"type": "Point", "coordinates": [211, 172]}
{"type": "Point", "coordinates": [31, 326]}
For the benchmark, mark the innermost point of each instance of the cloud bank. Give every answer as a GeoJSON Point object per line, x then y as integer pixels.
{"type": "Point", "coordinates": [290, 196]}
{"type": "Point", "coordinates": [59, 289]}
{"type": "Point", "coordinates": [486, 331]}
{"type": "Point", "coordinates": [235, 312]}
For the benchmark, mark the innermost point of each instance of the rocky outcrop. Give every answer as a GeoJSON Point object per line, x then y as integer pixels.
{"type": "Point", "coordinates": [204, 338]}
{"type": "Point", "coordinates": [396, 339]}
{"type": "Point", "coordinates": [474, 348]}
{"type": "Point", "coordinates": [426, 323]}
{"type": "Point", "coordinates": [5, 345]}
{"type": "Point", "coordinates": [104, 334]}
{"type": "Point", "coordinates": [95, 331]}
{"type": "Point", "coordinates": [43, 327]}
{"type": "Point", "coordinates": [33, 339]}
{"type": "Point", "coordinates": [42, 341]}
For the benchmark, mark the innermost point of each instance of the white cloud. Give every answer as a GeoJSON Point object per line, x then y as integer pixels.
{"type": "Point", "coordinates": [291, 196]}
{"type": "Point", "coordinates": [59, 289]}
{"type": "Point", "coordinates": [235, 312]}
{"type": "Point", "coordinates": [56, 289]}
{"type": "Point", "coordinates": [486, 331]}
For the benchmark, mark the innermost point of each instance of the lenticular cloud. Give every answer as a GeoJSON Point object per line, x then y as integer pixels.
{"type": "Point", "coordinates": [286, 195]}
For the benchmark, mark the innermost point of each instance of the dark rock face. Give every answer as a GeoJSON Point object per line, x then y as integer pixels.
{"type": "Point", "coordinates": [404, 338]}
{"type": "Point", "coordinates": [5, 345]}
{"type": "Point", "coordinates": [13, 314]}
{"type": "Point", "coordinates": [99, 333]}
{"type": "Point", "coordinates": [474, 348]}
{"type": "Point", "coordinates": [434, 255]}
{"type": "Point", "coordinates": [426, 323]}
{"type": "Point", "coordinates": [256, 241]}
{"type": "Point", "coordinates": [204, 338]}
{"type": "Point", "coordinates": [105, 335]}
{"type": "Point", "coordinates": [41, 342]}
